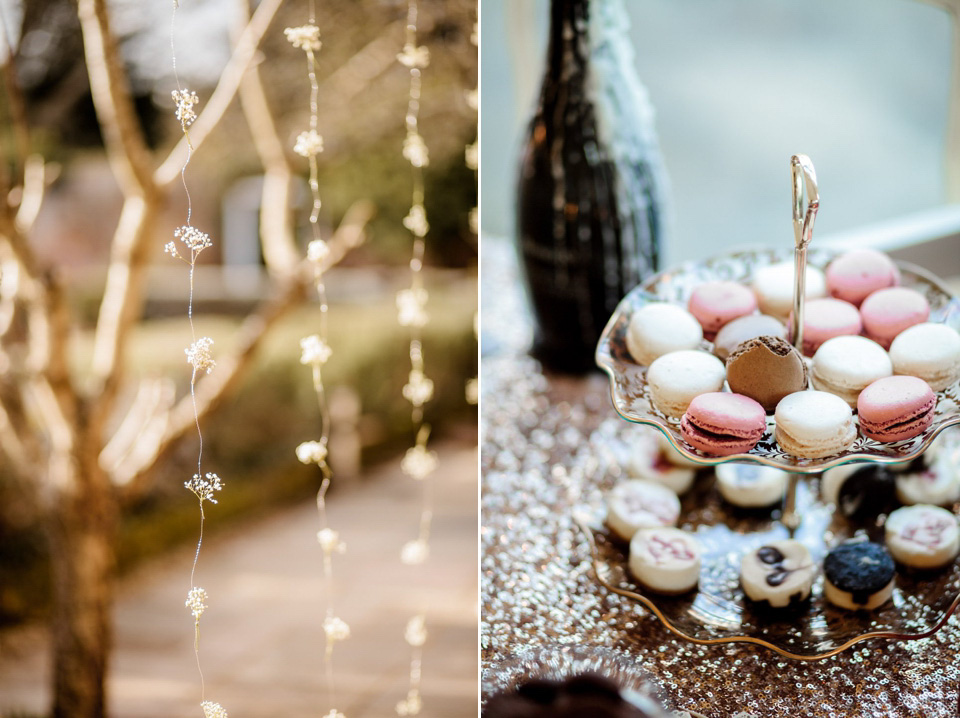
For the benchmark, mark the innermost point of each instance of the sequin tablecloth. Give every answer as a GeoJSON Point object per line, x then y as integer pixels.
{"type": "Point", "coordinates": [549, 443]}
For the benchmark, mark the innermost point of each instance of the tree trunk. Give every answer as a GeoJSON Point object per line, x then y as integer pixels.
{"type": "Point", "coordinates": [82, 534]}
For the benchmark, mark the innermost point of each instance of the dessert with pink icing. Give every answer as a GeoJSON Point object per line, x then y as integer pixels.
{"type": "Point", "coordinates": [637, 504]}
{"type": "Point", "coordinates": [722, 423]}
{"type": "Point", "coordinates": [665, 560]}
{"type": "Point", "coordinates": [738, 331]}
{"type": "Point", "coordinates": [933, 479]}
{"type": "Point", "coordinates": [845, 366]}
{"type": "Point", "coordinates": [923, 536]}
{"type": "Point", "coordinates": [888, 312]}
{"type": "Point", "coordinates": [896, 408]}
{"type": "Point", "coordinates": [717, 303]}
{"type": "Point", "coordinates": [825, 319]}
{"type": "Point", "coordinates": [929, 351]}
{"type": "Point", "coordinates": [855, 275]}
{"type": "Point", "coordinates": [659, 328]}
{"type": "Point", "coordinates": [657, 468]}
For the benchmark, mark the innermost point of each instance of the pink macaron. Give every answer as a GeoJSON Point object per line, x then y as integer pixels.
{"type": "Point", "coordinates": [722, 423]}
{"type": "Point", "coordinates": [855, 275]}
{"type": "Point", "coordinates": [888, 312]}
{"type": "Point", "coordinates": [716, 303]}
{"type": "Point", "coordinates": [825, 319]}
{"type": "Point", "coordinates": [896, 408]}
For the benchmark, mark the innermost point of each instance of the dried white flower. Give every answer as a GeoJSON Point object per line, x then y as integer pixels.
{"type": "Point", "coordinates": [312, 452]}
{"type": "Point", "coordinates": [419, 389]}
{"type": "Point", "coordinates": [213, 710]}
{"type": "Point", "coordinates": [471, 155]}
{"type": "Point", "coordinates": [318, 251]}
{"type": "Point", "coordinates": [474, 219]}
{"type": "Point", "coordinates": [416, 221]}
{"type": "Point", "coordinates": [418, 463]}
{"type": "Point", "coordinates": [410, 307]}
{"type": "Point", "coordinates": [416, 633]}
{"type": "Point", "coordinates": [334, 713]}
{"type": "Point", "coordinates": [330, 542]}
{"type": "Point", "coordinates": [473, 391]}
{"type": "Point", "coordinates": [475, 35]}
{"type": "Point", "coordinates": [336, 629]}
{"type": "Point", "coordinates": [196, 602]}
{"type": "Point", "coordinates": [195, 240]}
{"type": "Point", "coordinates": [306, 37]}
{"type": "Point", "coordinates": [199, 355]}
{"type": "Point", "coordinates": [171, 249]}
{"type": "Point", "coordinates": [411, 705]}
{"type": "Point", "coordinates": [415, 150]}
{"type": "Point", "coordinates": [315, 351]}
{"type": "Point", "coordinates": [185, 100]}
{"type": "Point", "coordinates": [413, 56]}
{"type": "Point", "coordinates": [309, 144]}
{"type": "Point", "coordinates": [414, 552]}
{"type": "Point", "coordinates": [204, 486]}
{"type": "Point", "coordinates": [473, 98]}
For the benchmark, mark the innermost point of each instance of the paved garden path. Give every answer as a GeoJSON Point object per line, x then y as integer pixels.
{"type": "Point", "coordinates": [261, 640]}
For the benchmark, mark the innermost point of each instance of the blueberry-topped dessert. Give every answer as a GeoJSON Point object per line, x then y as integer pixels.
{"type": "Point", "coordinates": [859, 575]}
{"type": "Point", "coordinates": [583, 696]}
{"type": "Point", "coordinates": [778, 574]}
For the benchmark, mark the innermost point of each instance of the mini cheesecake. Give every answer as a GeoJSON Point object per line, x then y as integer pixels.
{"type": "Point", "coordinates": [779, 573]}
{"type": "Point", "coordinates": [637, 504]}
{"type": "Point", "coordinates": [665, 560]}
{"type": "Point", "coordinates": [859, 575]}
{"type": "Point", "coordinates": [923, 536]}
{"type": "Point", "coordinates": [751, 485]}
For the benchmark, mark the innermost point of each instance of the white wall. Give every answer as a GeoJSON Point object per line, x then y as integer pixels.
{"type": "Point", "coordinates": [739, 85]}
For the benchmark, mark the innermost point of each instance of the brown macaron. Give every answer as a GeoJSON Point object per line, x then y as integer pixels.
{"type": "Point", "coordinates": [766, 369]}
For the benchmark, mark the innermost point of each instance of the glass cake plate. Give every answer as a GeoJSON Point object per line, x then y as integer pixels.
{"type": "Point", "coordinates": [630, 393]}
{"type": "Point", "coordinates": [717, 612]}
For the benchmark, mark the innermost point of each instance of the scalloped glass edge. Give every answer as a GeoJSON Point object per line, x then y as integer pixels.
{"type": "Point", "coordinates": [605, 361]}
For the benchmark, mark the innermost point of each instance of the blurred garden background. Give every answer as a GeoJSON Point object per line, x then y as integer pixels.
{"type": "Point", "coordinates": [47, 110]}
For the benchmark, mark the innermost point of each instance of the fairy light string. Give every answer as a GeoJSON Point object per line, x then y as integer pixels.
{"type": "Point", "coordinates": [316, 351]}
{"type": "Point", "coordinates": [419, 462]}
{"type": "Point", "coordinates": [204, 485]}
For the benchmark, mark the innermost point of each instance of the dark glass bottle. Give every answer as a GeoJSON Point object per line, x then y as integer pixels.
{"type": "Point", "coordinates": [589, 204]}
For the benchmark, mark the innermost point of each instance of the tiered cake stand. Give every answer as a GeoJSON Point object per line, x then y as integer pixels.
{"type": "Point", "coordinates": [718, 612]}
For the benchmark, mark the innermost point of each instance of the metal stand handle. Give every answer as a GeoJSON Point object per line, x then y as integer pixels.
{"type": "Point", "coordinates": [804, 188]}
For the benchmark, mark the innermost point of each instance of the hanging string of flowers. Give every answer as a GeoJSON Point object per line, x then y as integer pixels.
{"type": "Point", "coordinates": [189, 243]}
{"type": "Point", "coordinates": [472, 160]}
{"type": "Point", "coordinates": [419, 462]}
{"type": "Point", "coordinates": [316, 351]}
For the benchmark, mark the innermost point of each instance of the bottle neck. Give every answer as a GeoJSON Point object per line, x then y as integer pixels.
{"type": "Point", "coordinates": [569, 38]}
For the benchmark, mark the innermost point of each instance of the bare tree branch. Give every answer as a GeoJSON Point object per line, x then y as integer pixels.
{"type": "Point", "coordinates": [122, 133]}
{"type": "Point", "coordinates": [223, 94]}
{"type": "Point", "coordinates": [230, 370]}
{"type": "Point", "coordinates": [276, 233]}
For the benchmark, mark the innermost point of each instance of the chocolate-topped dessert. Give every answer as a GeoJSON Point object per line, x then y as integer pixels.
{"type": "Point", "coordinates": [859, 575]}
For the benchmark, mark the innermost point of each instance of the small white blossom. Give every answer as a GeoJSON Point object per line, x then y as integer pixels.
{"type": "Point", "coordinates": [416, 633]}
{"type": "Point", "coordinates": [413, 56]}
{"type": "Point", "coordinates": [312, 452]}
{"type": "Point", "coordinates": [410, 307]}
{"type": "Point", "coordinates": [199, 355]}
{"type": "Point", "coordinates": [185, 100]}
{"type": "Point", "coordinates": [418, 463]}
{"type": "Point", "coordinates": [171, 249]}
{"type": "Point", "coordinates": [213, 710]}
{"type": "Point", "coordinates": [419, 389]}
{"type": "Point", "coordinates": [204, 486]}
{"type": "Point", "coordinates": [473, 99]}
{"type": "Point", "coordinates": [330, 542]}
{"type": "Point", "coordinates": [336, 629]}
{"type": "Point", "coordinates": [306, 37]}
{"type": "Point", "coordinates": [414, 552]}
{"type": "Point", "coordinates": [472, 391]}
{"type": "Point", "coordinates": [309, 144]}
{"type": "Point", "coordinates": [415, 150]}
{"type": "Point", "coordinates": [411, 705]}
{"type": "Point", "coordinates": [315, 351]}
{"type": "Point", "coordinates": [196, 602]}
{"type": "Point", "coordinates": [474, 219]}
{"type": "Point", "coordinates": [416, 221]}
{"type": "Point", "coordinates": [334, 713]}
{"type": "Point", "coordinates": [195, 240]}
{"type": "Point", "coordinates": [471, 155]}
{"type": "Point", "coordinates": [318, 251]}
